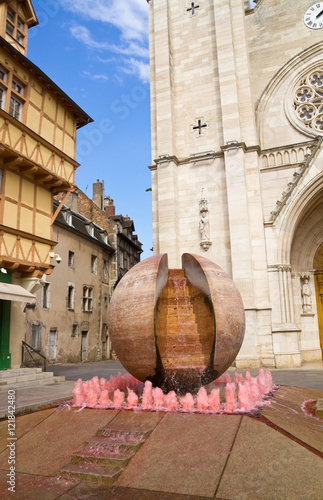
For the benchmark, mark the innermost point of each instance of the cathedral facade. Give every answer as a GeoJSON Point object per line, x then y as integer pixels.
{"type": "Point", "coordinates": [237, 149]}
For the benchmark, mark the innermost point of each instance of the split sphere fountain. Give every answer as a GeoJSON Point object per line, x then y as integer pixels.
{"type": "Point", "coordinates": [178, 328]}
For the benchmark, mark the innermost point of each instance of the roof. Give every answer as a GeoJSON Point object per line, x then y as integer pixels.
{"type": "Point", "coordinates": [82, 118]}
{"type": "Point", "coordinates": [79, 225]}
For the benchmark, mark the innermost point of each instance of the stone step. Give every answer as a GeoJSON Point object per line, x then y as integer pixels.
{"type": "Point", "coordinates": [15, 372]}
{"type": "Point", "coordinates": [25, 378]}
{"type": "Point", "coordinates": [124, 436]}
{"type": "Point", "coordinates": [32, 383]}
{"type": "Point", "coordinates": [101, 443]}
{"type": "Point", "coordinates": [93, 473]}
{"type": "Point", "coordinates": [103, 457]}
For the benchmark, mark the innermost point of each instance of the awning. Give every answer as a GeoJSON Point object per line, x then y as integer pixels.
{"type": "Point", "coordinates": [16, 292]}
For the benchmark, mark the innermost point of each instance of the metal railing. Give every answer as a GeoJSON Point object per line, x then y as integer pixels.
{"type": "Point", "coordinates": [29, 357]}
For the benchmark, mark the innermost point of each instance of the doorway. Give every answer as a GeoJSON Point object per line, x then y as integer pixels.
{"type": "Point", "coordinates": [52, 343]}
{"type": "Point", "coordinates": [84, 345]}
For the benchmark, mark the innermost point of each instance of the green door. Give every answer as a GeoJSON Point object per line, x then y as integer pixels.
{"type": "Point", "coordinates": [5, 306]}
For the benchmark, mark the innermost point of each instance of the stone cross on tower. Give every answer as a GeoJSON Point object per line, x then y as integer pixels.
{"type": "Point", "coordinates": [199, 126]}
{"type": "Point", "coordinates": [192, 8]}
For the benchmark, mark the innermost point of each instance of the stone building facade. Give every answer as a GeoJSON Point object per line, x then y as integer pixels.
{"type": "Point", "coordinates": [69, 321]}
{"type": "Point", "coordinates": [120, 228]}
{"type": "Point", "coordinates": [237, 171]}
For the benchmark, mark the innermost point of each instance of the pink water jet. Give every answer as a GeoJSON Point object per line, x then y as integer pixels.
{"type": "Point", "coordinates": [132, 399]}
{"type": "Point", "coordinates": [230, 397]}
{"type": "Point", "coordinates": [147, 397]}
{"type": "Point", "coordinates": [243, 397]}
{"type": "Point", "coordinates": [255, 396]}
{"type": "Point", "coordinates": [158, 398]}
{"type": "Point", "coordinates": [187, 402]}
{"type": "Point", "coordinates": [214, 400]}
{"type": "Point", "coordinates": [118, 398]}
{"type": "Point", "coordinates": [218, 381]}
{"type": "Point", "coordinates": [171, 401]}
{"type": "Point", "coordinates": [91, 398]}
{"type": "Point", "coordinates": [226, 378]}
{"type": "Point", "coordinates": [202, 400]}
{"type": "Point", "coordinates": [95, 393]}
{"type": "Point", "coordinates": [104, 400]}
{"type": "Point", "coordinates": [78, 394]}
{"type": "Point", "coordinates": [103, 384]}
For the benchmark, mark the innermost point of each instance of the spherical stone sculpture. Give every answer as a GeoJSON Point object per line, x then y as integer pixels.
{"type": "Point", "coordinates": [178, 328]}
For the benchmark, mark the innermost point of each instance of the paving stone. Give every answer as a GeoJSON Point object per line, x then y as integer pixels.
{"type": "Point", "coordinates": [24, 424]}
{"type": "Point", "coordinates": [142, 421]}
{"type": "Point", "coordinates": [265, 465]}
{"type": "Point", "coordinates": [32, 487]}
{"type": "Point", "coordinates": [55, 439]}
{"type": "Point", "coordinates": [94, 492]}
{"type": "Point", "coordinates": [185, 454]}
{"type": "Point", "coordinates": [285, 411]}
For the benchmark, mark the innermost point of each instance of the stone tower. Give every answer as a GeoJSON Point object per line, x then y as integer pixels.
{"type": "Point", "coordinates": [234, 149]}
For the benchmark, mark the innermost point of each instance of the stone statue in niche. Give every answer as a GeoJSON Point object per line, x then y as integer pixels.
{"type": "Point", "coordinates": [306, 294]}
{"type": "Point", "coordinates": [204, 227]}
{"type": "Point", "coordinates": [204, 222]}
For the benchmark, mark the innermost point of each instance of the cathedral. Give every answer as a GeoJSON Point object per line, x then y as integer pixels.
{"type": "Point", "coordinates": [237, 159]}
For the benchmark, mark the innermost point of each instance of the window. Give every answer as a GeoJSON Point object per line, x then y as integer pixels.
{"type": "Point", "coordinates": [121, 258]}
{"type": "Point", "coordinates": [45, 297]}
{"type": "Point", "coordinates": [3, 75]}
{"type": "Point", "coordinates": [68, 217]}
{"type": "Point", "coordinates": [87, 299]}
{"type": "Point", "coordinates": [104, 236]}
{"type": "Point", "coordinates": [70, 296]}
{"type": "Point", "coordinates": [2, 97]}
{"type": "Point", "coordinates": [105, 267]}
{"type": "Point", "coordinates": [15, 108]}
{"type": "Point", "coordinates": [70, 259]}
{"type": "Point", "coordinates": [36, 336]}
{"type": "Point", "coordinates": [11, 15]}
{"type": "Point", "coordinates": [9, 29]}
{"type": "Point", "coordinates": [75, 330]}
{"type": "Point", "coordinates": [94, 265]}
{"type": "Point", "coordinates": [15, 26]}
{"type": "Point", "coordinates": [17, 87]}
{"type": "Point", "coordinates": [3, 78]}
{"type": "Point", "coordinates": [91, 230]}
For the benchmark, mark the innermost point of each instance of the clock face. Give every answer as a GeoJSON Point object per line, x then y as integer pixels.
{"type": "Point", "coordinates": [314, 16]}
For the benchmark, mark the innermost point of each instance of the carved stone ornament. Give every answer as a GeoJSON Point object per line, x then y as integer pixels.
{"type": "Point", "coordinates": [308, 101]}
{"type": "Point", "coordinates": [204, 222]}
{"type": "Point", "coordinates": [306, 293]}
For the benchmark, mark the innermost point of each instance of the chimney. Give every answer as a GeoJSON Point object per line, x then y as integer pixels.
{"type": "Point", "coordinates": [109, 207]}
{"type": "Point", "coordinates": [72, 202]}
{"type": "Point", "coordinates": [98, 192]}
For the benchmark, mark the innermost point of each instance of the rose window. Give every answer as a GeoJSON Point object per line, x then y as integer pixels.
{"type": "Point", "coordinates": [308, 101]}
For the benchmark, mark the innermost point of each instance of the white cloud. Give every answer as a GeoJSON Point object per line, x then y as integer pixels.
{"type": "Point", "coordinates": [129, 16]}
{"type": "Point", "coordinates": [138, 68]}
{"type": "Point", "coordinates": [83, 35]}
{"type": "Point", "coordinates": [95, 77]}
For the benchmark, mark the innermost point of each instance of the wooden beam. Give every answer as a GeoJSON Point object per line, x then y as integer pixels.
{"type": "Point", "coordinates": [13, 161]}
{"type": "Point", "coordinates": [62, 203]}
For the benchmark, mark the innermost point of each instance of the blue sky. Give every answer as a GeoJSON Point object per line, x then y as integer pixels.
{"type": "Point", "coordinates": [97, 52]}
